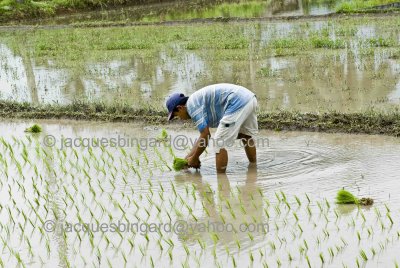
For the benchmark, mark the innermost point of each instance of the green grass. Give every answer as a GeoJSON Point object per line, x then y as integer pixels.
{"type": "Point", "coordinates": [12, 9]}
{"type": "Point", "coordinates": [287, 43]}
{"type": "Point", "coordinates": [325, 42]}
{"type": "Point", "coordinates": [357, 5]}
{"type": "Point", "coordinates": [194, 9]}
{"type": "Point", "coordinates": [381, 42]}
{"type": "Point", "coordinates": [266, 72]}
{"type": "Point", "coordinates": [126, 44]}
{"type": "Point", "coordinates": [45, 8]}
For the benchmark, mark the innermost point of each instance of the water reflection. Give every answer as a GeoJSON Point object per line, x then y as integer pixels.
{"type": "Point", "coordinates": [195, 9]}
{"type": "Point", "coordinates": [233, 214]}
{"type": "Point", "coordinates": [350, 79]}
{"type": "Point", "coordinates": [302, 7]}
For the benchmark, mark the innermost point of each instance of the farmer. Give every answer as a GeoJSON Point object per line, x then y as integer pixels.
{"type": "Point", "coordinates": [229, 107]}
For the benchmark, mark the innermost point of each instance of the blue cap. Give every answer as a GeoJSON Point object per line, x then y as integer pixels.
{"type": "Point", "coordinates": [174, 100]}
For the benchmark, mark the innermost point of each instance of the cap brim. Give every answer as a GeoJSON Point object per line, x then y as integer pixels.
{"type": "Point", "coordinates": [170, 116]}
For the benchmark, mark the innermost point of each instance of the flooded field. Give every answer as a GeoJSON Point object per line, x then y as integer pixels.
{"type": "Point", "coordinates": [340, 64]}
{"type": "Point", "coordinates": [103, 194]}
{"type": "Point", "coordinates": [56, 193]}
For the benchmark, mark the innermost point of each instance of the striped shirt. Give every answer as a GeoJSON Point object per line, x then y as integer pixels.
{"type": "Point", "coordinates": [208, 105]}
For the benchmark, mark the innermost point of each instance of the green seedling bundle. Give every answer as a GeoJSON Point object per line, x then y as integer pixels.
{"type": "Point", "coordinates": [179, 164]}
{"type": "Point", "coordinates": [345, 197]}
{"type": "Point", "coordinates": [34, 129]}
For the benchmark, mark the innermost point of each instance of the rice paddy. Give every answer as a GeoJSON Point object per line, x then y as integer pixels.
{"type": "Point", "coordinates": [268, 216]}
{"type": "Point", "coordinates": [339, 64]}
{"type": "Point", "coordinates": [108, 189]}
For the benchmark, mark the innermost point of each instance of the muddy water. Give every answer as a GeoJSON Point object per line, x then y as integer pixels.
{"type": "Point", "coordinates": [135, 185]}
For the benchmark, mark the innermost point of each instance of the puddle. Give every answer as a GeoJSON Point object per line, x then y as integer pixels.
{"type": "Point", "coordinates": [110, 185]}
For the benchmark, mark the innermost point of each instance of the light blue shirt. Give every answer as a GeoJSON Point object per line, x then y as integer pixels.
{"type": "Point", "coordinates": [208, 105]}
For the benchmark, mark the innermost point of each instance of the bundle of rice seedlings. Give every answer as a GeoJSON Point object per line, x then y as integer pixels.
{"type": "Point", "coordinates": [345, 197]}
{"type": "Point", "coordinates": [179, 164]}
{"type": "Point", "coordinates": [34, 129]}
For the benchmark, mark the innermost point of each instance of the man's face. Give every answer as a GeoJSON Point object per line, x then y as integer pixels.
{"type": "Point", "coordinates": [181, 112]}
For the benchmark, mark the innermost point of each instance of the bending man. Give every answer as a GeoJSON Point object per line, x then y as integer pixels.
{"type": "Point", "coordinates": [230, 108]}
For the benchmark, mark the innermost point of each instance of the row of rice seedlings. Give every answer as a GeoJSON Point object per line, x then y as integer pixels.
{"type": "Point", "coordinates": [182, 205]}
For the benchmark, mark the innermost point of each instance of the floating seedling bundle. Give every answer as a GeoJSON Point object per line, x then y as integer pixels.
{"type": "Point", "coordinates": [345, 197]}
{"type": "Point", "coordinates": [34, 129]}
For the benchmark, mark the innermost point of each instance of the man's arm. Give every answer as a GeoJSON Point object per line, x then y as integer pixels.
{"type": "Point", "coordinates": [198, 148]}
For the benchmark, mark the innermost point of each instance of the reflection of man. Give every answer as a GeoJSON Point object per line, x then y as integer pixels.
{"type": "Point", "coordinates": [229, 107]}
{"type": "Point", "coordinates": [227, 209]}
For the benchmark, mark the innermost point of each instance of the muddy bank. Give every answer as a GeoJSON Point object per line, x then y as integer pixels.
{"type": "Point", "coordinates": [367, 123]}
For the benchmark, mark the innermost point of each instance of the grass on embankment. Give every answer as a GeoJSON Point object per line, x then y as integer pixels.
{"type": "Point", "coordinates": [355, 6]}
{"type": "Point", "coordinates": [367, 122]}
{"type": "Point", "coordinates": [27, 9]}
{"type": "Point", "coordinates": [13, 10]}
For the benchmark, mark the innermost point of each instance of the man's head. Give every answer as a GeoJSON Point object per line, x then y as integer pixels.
{"type": "Point", "coordinates": [176, 105]}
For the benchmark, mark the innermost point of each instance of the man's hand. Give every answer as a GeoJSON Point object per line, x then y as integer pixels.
{"type": "Point", "coordinates": [198, 149]}
{"type": "Point", "coordinates": [193, 162]}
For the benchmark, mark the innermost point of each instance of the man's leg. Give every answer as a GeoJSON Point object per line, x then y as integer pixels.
{"type": "Point", "coordinates": [221, 160]}
{"type": "Point", "coordinates": [228, 130]}
{"type": "Point", "coordinates": [249, 147]}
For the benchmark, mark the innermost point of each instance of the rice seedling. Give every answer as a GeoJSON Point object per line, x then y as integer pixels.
{"type": "Point", "coordinates": [96, 188]}
{"type": "Point", "coordinates": [390, 218]}
{"type": "Point", "coordinates": [321, 256]}
{"type": "Point", "coordinates": [290, 257]}
{"type": "Point", "coordinates": [363, 255]}
{"type": "Point", "coordinates": [308, 261]}
{"type": "Point", "coordinates": [308, 198]}
{"type": "Point", "coordinates": [298, 201]}
{"type": "Point", "coordinates": [163, 135]}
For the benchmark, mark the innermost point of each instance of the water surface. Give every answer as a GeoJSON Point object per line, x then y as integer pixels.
{"type": "Point", "coordinates": [108, 185]}
{"type": "Point", "coordinates": [357, 77]}
{"type": "Point", "coordinates": [189, 10]}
